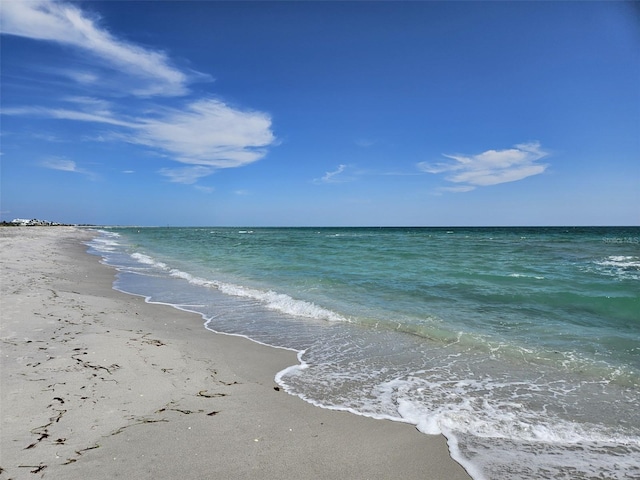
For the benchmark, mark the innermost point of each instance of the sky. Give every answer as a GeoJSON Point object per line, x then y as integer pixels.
{"type": "Point", "coordinates": [333, 113]}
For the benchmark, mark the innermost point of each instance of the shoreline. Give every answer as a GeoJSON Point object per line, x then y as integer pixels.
{"type": "Point", "coordinates": [99, 384]}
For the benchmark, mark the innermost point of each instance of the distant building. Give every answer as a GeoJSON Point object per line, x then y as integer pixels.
{"type": "Point", "coordinates": [21, 221]}
{"type": "Point", "coordinates": [24, 222]}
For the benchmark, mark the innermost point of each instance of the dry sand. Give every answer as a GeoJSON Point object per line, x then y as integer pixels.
{"type": "Point", "coordinates": [96, 384]}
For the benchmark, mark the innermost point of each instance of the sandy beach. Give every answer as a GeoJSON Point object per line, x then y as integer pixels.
{"type": "Point", "coordinates": [97, 384]}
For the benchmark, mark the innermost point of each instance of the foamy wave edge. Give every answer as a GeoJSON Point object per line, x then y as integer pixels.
{"type": "Point", "coordinates": [269, 299]}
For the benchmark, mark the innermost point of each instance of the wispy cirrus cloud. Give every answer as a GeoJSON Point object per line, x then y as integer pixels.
{"type": "Point", "coordinates": [205, 189]}
{"type": "Point", "coordinates": [186, 175]}
{"type": "Point", "coordinates": [350, 173]}
{"type": "Point", "coordinates": [67, 24]}
{"type": "Point", "coordinates": [333, 176]}
{"type": "Point", "coordinates": [46, 137]}
{"type": "Point", "coordinates": [60, 164]}
{"type": "Point", "coordinates": [491, 167]}
{"type": "Point", "coordinates": [203, 132]}
{"type": "Point", "coordinates": [69, 114]}
{"type": "Point", "coordinates": [65, 165]}
{"type": "Point", "coordinates": [207, 132]}
{"type": "Point", "coordinates": [365, 142]}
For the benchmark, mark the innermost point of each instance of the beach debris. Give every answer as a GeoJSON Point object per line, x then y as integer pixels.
{"type": "Point", "coordinates": [81, 451]}
{"type": "Point", "coordinates": [42, 437]}
{"type": "Point", "coordinates": [140, 422]}
{"type": "Point", "coordinates": [52, 387]}
{"type": "Point", "coordinates": [276, 388]}
{"type": "Point", "coordinates": [43, 430]}
{"type": "Point", "coordinates": [228, 384]}
{"type": "Point", "coordinates": [36, 468]}
{"type": "Point", "coordinates": [150, 341]}
{"type": "Point", "coordinates": [154, 341]}
{"type": "Point", "coordinates": [206, 394]}
{"type": "Point", "coordinates": [109, 369]}
{"type": "Point", "coordinates": [59, 399]}
{"type": "Point", "coordinates": [180, 410]}
{"type": "Point", "coordinates": [57, 418]}
{"type": "Point", "coordinates": [186, 412]}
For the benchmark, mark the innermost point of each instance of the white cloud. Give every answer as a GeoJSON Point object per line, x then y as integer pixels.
{"type": "Point", "coordinates": [96, 105]}
{"type": "Point", "coordinates": [204, 189]}
{"type": "Point", "coordinates": [207, 132]}
{"type": "Point", "coordinates": [463, 188]}
{"type": "Point", "coordinates": [67, 114]}
{"type": "Point", "coordinates": [186, 175]}
{"type": "Point", "coordinates": [204, 132]}
{"type": "Point", "coordinates": [60, 164]}
{"type": "Point", "coordinates": [47, 137]}
{"type": "Point", "coordinates": [331, 177]}
{"type": "Point", "coordinates": [83, 77]}
{"type": "Point", "coordinates": [64, 165]}
{"type": "Point", "coordinates": [491, 167]}
{"type": "Point", "coordinates": [68, 25]}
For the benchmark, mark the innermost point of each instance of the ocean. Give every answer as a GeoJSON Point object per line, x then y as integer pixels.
{"type": "Point", "coordinates": [520, 345]}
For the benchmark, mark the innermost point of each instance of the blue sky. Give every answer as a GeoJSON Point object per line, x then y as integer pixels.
{"type": "Point", "coordinates": [321, 113]}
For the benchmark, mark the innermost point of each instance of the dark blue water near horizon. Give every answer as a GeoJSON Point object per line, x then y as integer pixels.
{"type": "Point", "coordinates": [520, 344]}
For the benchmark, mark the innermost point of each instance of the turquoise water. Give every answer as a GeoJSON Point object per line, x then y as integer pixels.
{"type": "Point", "coordinates": [520, 345]}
